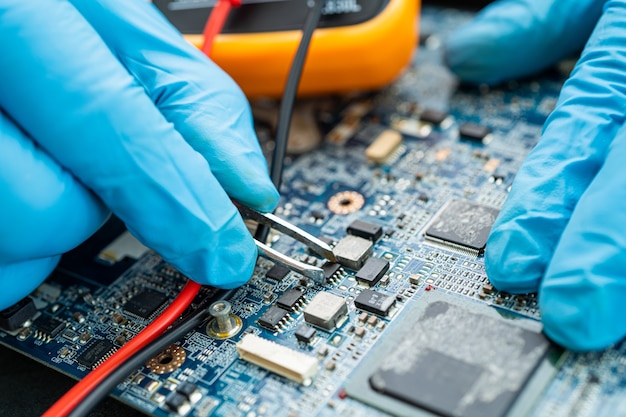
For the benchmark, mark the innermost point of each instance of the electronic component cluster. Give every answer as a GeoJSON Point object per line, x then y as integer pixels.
{"type": "Point", "coordinates": [405, 190]}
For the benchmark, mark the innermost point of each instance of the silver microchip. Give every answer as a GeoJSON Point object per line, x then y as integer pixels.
{"type": "Point", "coordinates": [326, 310]}
{"type": "Point", "coordinates": [352, 251]}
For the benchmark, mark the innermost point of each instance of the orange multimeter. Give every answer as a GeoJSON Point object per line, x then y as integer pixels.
{"type": "Point", "coordinates": [359, 44]}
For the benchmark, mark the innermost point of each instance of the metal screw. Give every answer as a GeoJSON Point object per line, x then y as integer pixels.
{"type": "Point", "coordinates": [220, 310]}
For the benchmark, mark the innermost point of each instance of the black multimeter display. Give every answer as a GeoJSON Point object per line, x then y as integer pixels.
{"type": "Point", "coordinates": [258, 16]}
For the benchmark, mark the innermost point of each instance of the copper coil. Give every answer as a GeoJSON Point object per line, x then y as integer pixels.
{"type": "Point", "coordinates": [346, 202]}
{"type": "Point", "coordinates": [168, 360]}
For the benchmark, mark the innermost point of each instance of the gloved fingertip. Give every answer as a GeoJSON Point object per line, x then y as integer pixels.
{"type": "Point", "coordinates": [456, 58]}
{"type": "Point", "coordinates": [226, 259]}
{"type": "Point", "coordinates": [566, 324]}
{"type": "Point", "coordinates": [471, 53]}
{"type": "Point", "coordinates": [228, 284]}
{"type": "Point", "coordinates": [565, 338]}
{"type": "Point", "coordinates": [226, 275]}
{"type": "Point", "coordinates": [266, 199]}
{"type": "Point", "coordinates": [513, 39]}
{"type": "Point", "coordinates": [239, 268]}
{"type": "Point", "coordinates": [581, 311]}
{"type": "Point", "coordinates": [253, 186]}
{"type": "Point", "coordinates": [511, 262]}
{"type": "Point", "coordinates": [21, 278]}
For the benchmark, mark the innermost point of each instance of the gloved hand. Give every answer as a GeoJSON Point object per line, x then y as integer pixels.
{"type": "Point", "coordinates": [103, 105]}
{"type": "Point", "coordinates": [562, 230]}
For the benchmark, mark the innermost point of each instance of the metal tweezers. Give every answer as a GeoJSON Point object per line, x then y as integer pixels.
{"type": "Point", "coordinates": [291, 230]}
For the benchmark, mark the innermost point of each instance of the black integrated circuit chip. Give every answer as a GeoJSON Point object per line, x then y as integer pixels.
{"type": "Point", "coordinates": [374, 302]}
{"type": "Point", "coordinates": [277, 273]}
{"type": "Point", "coordinates": [189, 390]}
{"type": "Point", "coordinates": [96, 353]}
{"type": "Point", "coordinates": [305, 333]}
{"type": "Point", "coordinates": [47, 328]}
{"type": "Point", "coordinates": [474, 131]}
{"type": "Point", "coordinates": [372, 271]}
{"type": "Point", "coordinates": [434, 117]}
{"type": "Point", "coordinates": [330, 269]}
{"type": "Point", "coordinates": [463, 224]}
{"type": "Point", "coordinates": [290, 299]}
{"type": "Point", "coordinates": [13, 318]}
{"type": "Point", "coordinates": [145, 304]}
{"type": "Point", "coordinates": [273, 318]}
{"type": "Point", "coordinates": [177, 402]}
{"type": "Point", "coordinates": [365, 230]}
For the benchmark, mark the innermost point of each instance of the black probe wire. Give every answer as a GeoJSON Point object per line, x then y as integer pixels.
{"type": "Point", "coordinates": [180, 329]}
{"type": "Point", "coordinates": [175, 333]}
{"type": "Point", "coordinates": [291, 88]}
{"type": "Point", "coordinates": [287, 101]}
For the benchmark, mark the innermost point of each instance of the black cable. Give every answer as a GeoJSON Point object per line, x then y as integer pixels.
{"type": "Point", "coordinates": [289, 93]}
{"type": "Point", "coordinates": [175, 333]}
{"type": "Point", "coordinates": [288, 99]}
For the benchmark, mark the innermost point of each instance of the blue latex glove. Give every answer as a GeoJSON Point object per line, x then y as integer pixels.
{"type": "Point", "coordinates": [103, 105]}
{"type": "Point", "coordinates": [562, 230]}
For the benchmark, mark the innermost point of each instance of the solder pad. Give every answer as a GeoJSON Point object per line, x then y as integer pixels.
{"type": "Point", "coordinates": [452, 357]}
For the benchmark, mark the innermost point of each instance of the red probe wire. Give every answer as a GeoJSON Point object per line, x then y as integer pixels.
{"type": "Point", "coordinates": [216, 21]}
{"type": "Point", "coordinates": [78, 392]}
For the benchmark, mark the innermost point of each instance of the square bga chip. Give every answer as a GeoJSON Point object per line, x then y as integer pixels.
{"type": "Point", "coordinates": [462, 225]}
{"type": "Point", "coordinates": [455, 357]}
